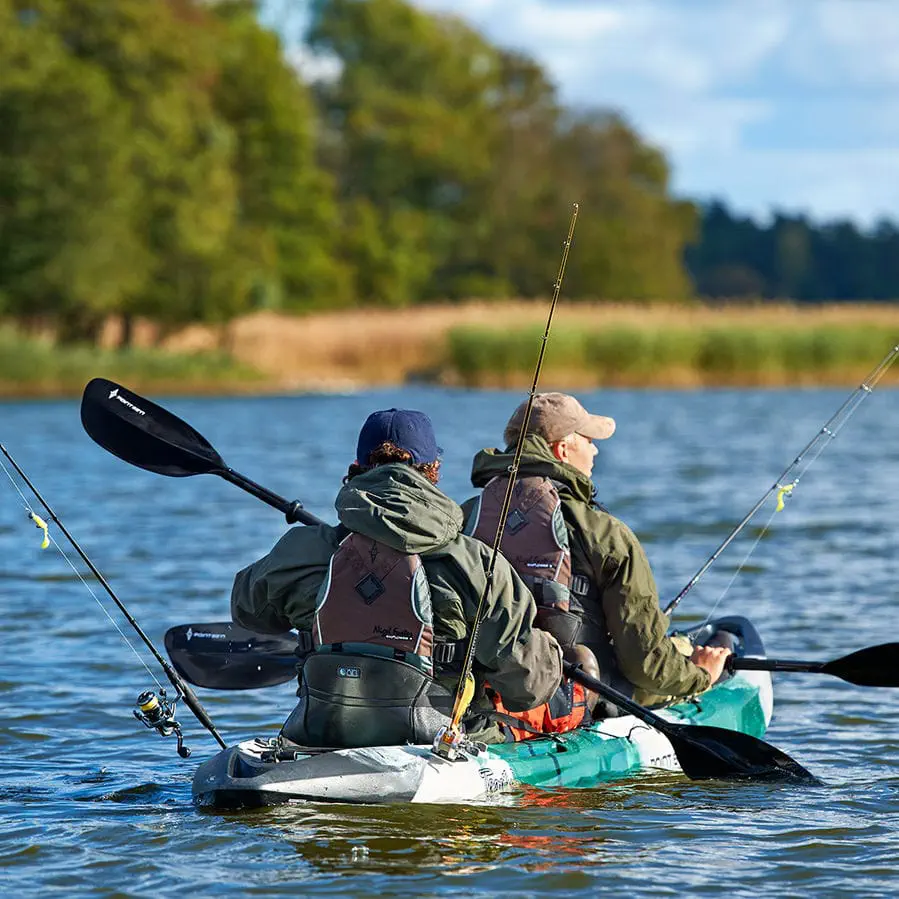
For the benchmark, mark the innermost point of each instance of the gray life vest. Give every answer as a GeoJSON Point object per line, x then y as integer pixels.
{"type": "Point", "coordinates": [535, 541]}
{"type": "Point", "coordinates": [369, 679]}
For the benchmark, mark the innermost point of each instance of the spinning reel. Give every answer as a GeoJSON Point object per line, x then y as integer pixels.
{"type": "Point", "coordinates": [157, 713]}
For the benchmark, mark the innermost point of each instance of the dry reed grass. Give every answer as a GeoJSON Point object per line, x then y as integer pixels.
{"type": "Point", "coordinates": [354, 348]}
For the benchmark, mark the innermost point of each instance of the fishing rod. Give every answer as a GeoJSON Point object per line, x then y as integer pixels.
{"type": "Point", "coordinates": [451, 737]}
{"type": "Point", "coordinates": [156, 712]}
{"type": "Point", "coordinates": [783, 486]}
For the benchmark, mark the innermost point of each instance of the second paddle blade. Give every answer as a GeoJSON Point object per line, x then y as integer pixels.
{"type": "Point", "coordinates": [228, 657]}
{"type": "Point", "coordinates": [875, 666]}
{"type": "Point", "coordinates": [146, 435]}
{"type": "Point", "coordinates": [715, 753]}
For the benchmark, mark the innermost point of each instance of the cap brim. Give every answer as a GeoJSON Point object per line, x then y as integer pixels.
{"type": "Point", "coordinates": [597, 427]}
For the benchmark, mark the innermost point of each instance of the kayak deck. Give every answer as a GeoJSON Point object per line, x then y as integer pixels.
{"type": "Point", "coordinates": [614, 748]}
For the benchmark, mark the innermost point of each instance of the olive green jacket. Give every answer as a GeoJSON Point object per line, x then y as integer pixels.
{"type": "Point", "coordinates": [622, 613]}
{"type": "Point", "coordinates": [396, 505]}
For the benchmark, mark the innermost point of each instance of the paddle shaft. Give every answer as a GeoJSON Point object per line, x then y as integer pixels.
{"type": "Point", "coordinates": [744, 664]}
{"type": "Point", "coordinates": [873, 666]}
{"type": "Point", "coordinates": [190, 698]}
{"type": "Point", "coordinates": [577, 674]}
{"type": "Point", "coordinates": [293, 509]}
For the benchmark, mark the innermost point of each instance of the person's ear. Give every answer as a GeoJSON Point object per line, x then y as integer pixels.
{"type": "Point", "coordinates": [560, 450]}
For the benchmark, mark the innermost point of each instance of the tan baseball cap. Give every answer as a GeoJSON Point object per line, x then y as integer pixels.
{"type": "Point", "coordinates": [556, 415]}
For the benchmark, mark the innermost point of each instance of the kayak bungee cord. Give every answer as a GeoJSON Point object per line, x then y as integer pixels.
{"type": "Point", "coordinates": [788, 481]}
{"type": "Point", "coordinates": [450, 738]}
{"type": "Point", "coordinates": [154, 711]}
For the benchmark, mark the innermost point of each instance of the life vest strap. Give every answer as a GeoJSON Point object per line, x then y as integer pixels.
{"type": "Point", "coordinates": [446, 652]}
{"type": "Point", "coordinates": [382, 652]}
{"type": "Point", "coordinates": [580, 585]}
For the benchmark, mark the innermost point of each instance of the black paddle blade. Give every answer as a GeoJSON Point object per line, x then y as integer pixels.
{"type": "Point", "coordinates": [225, 656]}
{"type": "Point", "coordinates": [875, 666]}
{"type": "Point", "coordinates": [144, 434]}
{"type": "Point", "coordinates": [715, 753]}
{"type": "Point", "coordinates": [705, 753]}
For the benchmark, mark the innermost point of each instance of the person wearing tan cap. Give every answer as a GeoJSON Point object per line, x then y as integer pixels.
{"type": "Point", "coordinates": [589, 574]}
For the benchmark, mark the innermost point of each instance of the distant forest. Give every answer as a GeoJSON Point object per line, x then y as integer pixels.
{"type": "Point", "coordinates": [792, 258]}
{"type": "Point", "coordinates": [170, 160]}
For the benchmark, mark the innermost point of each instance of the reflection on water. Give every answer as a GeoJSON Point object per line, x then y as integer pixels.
{"type": "Point", "coordinates": [92, 804]}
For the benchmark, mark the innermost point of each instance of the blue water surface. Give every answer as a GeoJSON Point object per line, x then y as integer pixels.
{"type": "Point", "coordinates": [93, 804]}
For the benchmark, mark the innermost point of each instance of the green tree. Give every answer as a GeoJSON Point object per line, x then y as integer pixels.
{"type": "Point", "coordinates": [70, 250]}
{"type": "Point", "coordinates": [287, 214]}
{"type": "Point", "coordinates": [160, 58]}
{"type": "Point", "coordinates": [157, 158]}
{"type": "Point", "coordinates": [408, 135]}
{"type": "Point", "coordinates": [428, 116]}
{"type": "Point", "coordinates": [632, 234]}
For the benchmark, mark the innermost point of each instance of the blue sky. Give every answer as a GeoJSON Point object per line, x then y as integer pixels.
{"type": "Point", "coordinates": [790, 104]}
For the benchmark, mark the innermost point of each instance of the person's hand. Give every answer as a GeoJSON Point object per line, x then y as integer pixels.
{"type": "Point", "coordinates": [711, 659]}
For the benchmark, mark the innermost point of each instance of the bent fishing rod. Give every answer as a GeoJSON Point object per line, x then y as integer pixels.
{"type": "Point", "coordinates": [156, 712]}
{"type": "Point", "coordinates": [788, 481]}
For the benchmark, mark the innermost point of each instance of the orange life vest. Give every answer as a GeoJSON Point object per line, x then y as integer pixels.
{"type": "Point", "coordinates": [566, 709]}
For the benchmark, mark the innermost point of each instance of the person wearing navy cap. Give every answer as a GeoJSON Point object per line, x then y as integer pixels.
{"type": "Point", "coordinates": [385, 601]}
{"type": "Point", "coordinates": [405, 429]}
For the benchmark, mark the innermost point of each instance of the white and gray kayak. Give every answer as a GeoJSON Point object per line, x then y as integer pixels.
{"type": "Point", "coordinates": [259, 772]}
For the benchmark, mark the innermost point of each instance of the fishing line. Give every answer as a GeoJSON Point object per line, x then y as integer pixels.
{"type": "Point", "coordinates": [783, 494]}
{"type": "Point", "coordinates": [784, 486]}
{"type": "Point", "coordinates": [156, 712]}
{"type": "Point", "coordinates": [48, 538]}
{"type": "Point", "coordinates": [740, 568]}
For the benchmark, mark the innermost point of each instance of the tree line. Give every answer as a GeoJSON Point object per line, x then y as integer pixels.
{"type": "Point", "coordinates": [793, 258]}
{"type": "Point", "coordinates": [164, 158]}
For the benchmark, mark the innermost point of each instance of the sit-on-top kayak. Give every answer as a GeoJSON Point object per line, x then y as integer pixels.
{"type": "Point", "coordinates": [255, 773]}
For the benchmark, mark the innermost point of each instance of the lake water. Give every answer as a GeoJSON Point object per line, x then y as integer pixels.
{"type": "Point", "coordinates": [91, 803]}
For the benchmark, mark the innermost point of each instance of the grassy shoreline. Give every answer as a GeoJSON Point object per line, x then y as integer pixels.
{"type": "Point", "coordinates": [37, 368]}
{"type": "Point", "coordinates": [677, 357]}
{"type": "Point", "coordinates": [474, 344]}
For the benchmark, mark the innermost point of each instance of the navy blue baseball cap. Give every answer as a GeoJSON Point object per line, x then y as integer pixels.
{"type": "Point", "coordinates": [404, 428]}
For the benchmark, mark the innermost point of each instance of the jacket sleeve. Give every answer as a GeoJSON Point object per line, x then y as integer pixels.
{"type": "Point", "coordinates": [638, 627]}
{"type": "Point", "coordinates": [522, 663]}
{"type": "Point", "coordinates": [278, 592]}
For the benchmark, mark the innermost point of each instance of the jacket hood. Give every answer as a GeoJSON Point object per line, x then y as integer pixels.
{"type": "Point", "coordinates": [537, 459]}
{"type": "Point", "coordinates": [396, 505]}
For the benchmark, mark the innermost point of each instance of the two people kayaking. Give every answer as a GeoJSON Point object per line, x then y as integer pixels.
{"type": "Point", "coordinates": [384, 602]}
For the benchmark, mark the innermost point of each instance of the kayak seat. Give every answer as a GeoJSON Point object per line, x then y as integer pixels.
{"type": "Point", "coordinates": [350, 700]}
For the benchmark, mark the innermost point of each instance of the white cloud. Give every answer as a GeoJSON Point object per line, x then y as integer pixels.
{"type": "Point", "coordinates": [849, 43]}
{"type": "Point", "coordinates": [764, 102]}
